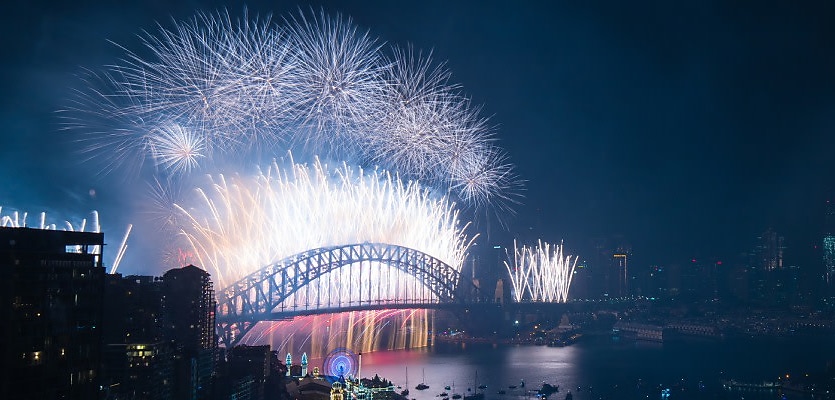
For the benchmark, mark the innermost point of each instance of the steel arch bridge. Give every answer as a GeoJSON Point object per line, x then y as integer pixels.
{"type": "Point", "coordinates": [315, 282]}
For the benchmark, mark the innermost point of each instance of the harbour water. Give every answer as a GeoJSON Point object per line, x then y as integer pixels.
{"type": "Point", "coordinates": [603, 368]}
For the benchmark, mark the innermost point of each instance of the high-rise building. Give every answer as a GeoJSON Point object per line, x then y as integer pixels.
{"type": "Point", "coordinates": [607, 273]}
{"type": "Point", "coordinates": [829, 259]}
{"type": "Point", "coordinates": [769, 251]}
{"type": "Point", "coordinates": [621, 282]}
{"type": "Point", "coordinates": [51, 300]}
{"type": "Point", "coordinates": [188, 304]}
{"type": "Point", "coordinates": [698, 280]}
{"type": "Point", "coordinates": [247, 370]}
{"type": "Point", "coordinates": [829, 247]}
{"type": "Point", "coordinates": [137, 361]}
{"type": "Point", "coordinates": [766, 270]}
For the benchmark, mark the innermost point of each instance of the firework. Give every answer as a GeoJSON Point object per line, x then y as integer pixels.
{"type": "Point", "coordinates": [241, 224]}
{"type": "Point", "coordinates": [177, 148]}
{"type": "Point", "coordinates": [540, 274]}
{"type": "Point", "coordinates": [211, 87]}
{"type": "Point", "coordinates": [339, 73]}
{"type": "Point", "coordinates": [228, 78]}
{"type": "Point", "coordinates": [214, 91]}
{"type": "Point", "coordinates": [19, 219]}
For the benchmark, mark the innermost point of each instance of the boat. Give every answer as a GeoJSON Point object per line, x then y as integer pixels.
{"type": "Point", "coordinates": [443, 394]}
{"type": "Point", "coordinates": [548, 389]}
{"type": "Point", "coordinates": [422, 385]}
{"type": "Point", "coordinates": [476, 395]}
{"type": "Point", "coordinates": [512, 387]}
{"type": "Point", "coordinates": [446, 387]}
{"type": "Point", "coordinates": [569, 396]}
{"type": "Point", "coordinates": [405, 392]}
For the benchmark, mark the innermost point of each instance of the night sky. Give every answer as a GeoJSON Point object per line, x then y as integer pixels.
{"type": "Point", "coordinates": [687, 128]}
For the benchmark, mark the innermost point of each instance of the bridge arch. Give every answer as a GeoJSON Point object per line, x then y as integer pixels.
{"type": "Point", "coordinates": [261, 296]}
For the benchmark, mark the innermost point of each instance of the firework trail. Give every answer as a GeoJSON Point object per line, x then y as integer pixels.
{"type": "Point", "coordinates": [540, 274]}
{"type": "Point", "coordinates": [19, 219]}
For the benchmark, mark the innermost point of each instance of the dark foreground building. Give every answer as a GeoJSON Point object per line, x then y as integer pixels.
{"type": "Point", "coordinates": [188, 309]}
{"type": "Point", "coordinates": [52, 291]}
{"type": "Point", "coordinates": [137, 360]}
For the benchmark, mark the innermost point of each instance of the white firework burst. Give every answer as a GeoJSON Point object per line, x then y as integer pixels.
{"type": "Point", "coordinates": [176, 148]}
{"type": "Point", "coordinates": [475, 175]}
{"type": "Point", "coordinates": [214, 91]}
{"type": "Point", "coordinates": [419, 116]}
{"type": "Point", "coordinates": [340, 76]}
{"type": "Point", "coordinates": [114, 127]}
{"type": "Point", "coordinates": [225, 81]}
{"type": "Point", "coordinates": [232, 79]}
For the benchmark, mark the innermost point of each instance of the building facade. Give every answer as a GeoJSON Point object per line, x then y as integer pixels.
{"type": "Point", "coordinates": [52, 292]}
{"type": "Point", "coordinates": [137, 360]}
{"type": "Point", "coordinates": [188, 308]}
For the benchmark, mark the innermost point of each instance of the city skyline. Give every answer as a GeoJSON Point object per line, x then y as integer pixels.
{"type": "Point", "coordinates": [689, 130]}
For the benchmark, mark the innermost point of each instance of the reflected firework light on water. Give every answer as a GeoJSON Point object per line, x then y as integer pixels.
{"type": "Point", "coordinates": [357, 331]}
{"type": "Point", "coordinates": [541, 273]}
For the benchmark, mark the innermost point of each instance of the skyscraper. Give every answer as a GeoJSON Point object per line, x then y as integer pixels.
{"type": "Point", "coordinates": [765, 270]}
{"type": "Point", "coordinates": [769, 251]}
{"type": "Point", "coordinates": [829, 247]}
{"type": "Point", "coordinates": [137, 361]}
{"type": "Point", "coordinates": [189, 325]}
{"type": "Point", "coordinates": [51, 300]}
{"type": "Point", "coordinates": [621, 283]}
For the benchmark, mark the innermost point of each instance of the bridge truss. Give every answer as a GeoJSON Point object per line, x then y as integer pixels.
{"type": "Point", "coordinates": [364, 276]}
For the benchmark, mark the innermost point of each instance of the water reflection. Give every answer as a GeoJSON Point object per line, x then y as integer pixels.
{"type": "Point", "coordinates": [598, 368]}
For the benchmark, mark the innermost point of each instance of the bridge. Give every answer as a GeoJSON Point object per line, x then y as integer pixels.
{"type": "Point", "coordinates": [353, 277]}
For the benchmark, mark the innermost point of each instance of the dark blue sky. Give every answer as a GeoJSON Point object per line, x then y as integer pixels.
{"type": "Point", "coordinates": [687, 127]}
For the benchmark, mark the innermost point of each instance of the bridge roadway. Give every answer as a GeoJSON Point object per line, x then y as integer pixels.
{"type": "Point", "coordinates": [475, 307]}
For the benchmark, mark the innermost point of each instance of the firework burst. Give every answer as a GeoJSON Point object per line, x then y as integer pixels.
{"type": "Point", "coordinates": [215, 90]}
{"type": "Point", "coordinates": [340, 76]}
{"type": "Point", "coordinates": [177, 148]}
